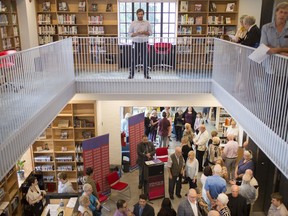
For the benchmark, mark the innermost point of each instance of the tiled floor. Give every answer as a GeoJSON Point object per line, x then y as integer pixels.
{"type": "Point", "coordinates": [132, 179]}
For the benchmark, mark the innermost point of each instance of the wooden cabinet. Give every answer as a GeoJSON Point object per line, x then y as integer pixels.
{"type": "Point", "coordinates": [9, 29]}
{"type": "Point", "coordinates": [59, 19]}
{"type": "Point", "coordinates": [9, 194]}
{"type": "Point", "coordinates": [207, 18]}
{"type": "Point", "coordinates": [59, 148]}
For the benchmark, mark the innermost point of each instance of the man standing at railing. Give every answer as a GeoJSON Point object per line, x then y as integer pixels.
{"type": "Point", "coordinates": [139, 30]}
{"type": "Point", "coordinates": [275, 34]}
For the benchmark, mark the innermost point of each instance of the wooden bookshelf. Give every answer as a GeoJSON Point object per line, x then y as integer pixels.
{"type": "Point", "coordinates": [207, 18]}
{"type": "Point", "coordinates": [60, 19]}
{"type": "Point", "coordinates": [59, 149]}
{"type": "Point", "coordinates": [9, 28]}
{"type": "Point", "coordinates": [9, 194]}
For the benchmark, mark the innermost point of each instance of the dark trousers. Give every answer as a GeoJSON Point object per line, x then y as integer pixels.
{"type": "Point", "coordinates": [176, 180]}
{"type": "Point", "coordinates": [191, 183]}
{"type": "Point", "coordinates": [199, 157]}
{"type": "Point", "coordinates": [178, 133]}
{"type": "Point", "coordinates": [141, 175]}
{"type": "Point", "coordinates": [37, 208]}
{"type": "Point", "coordinates": [139, 52]}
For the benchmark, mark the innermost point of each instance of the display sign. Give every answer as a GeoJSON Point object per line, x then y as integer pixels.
{"type": "Point", "coordinates": [96, 155]}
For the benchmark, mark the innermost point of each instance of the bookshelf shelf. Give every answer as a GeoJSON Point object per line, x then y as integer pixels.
{"type": "Point", "coordinates": [9, 34]}
{"type": "Point", "coordinates": [77, 18]}
{"type": "Point", "coordinates": [64, 153]}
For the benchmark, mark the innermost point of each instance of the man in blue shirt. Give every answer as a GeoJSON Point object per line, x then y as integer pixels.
{"type": "Point", "coordinates": [275, 34]}
{"type": "Point", "coordinates": [215, 185]}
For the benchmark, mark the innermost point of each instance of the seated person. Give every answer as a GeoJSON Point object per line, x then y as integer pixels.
{"type": "Point", "coordinates": [252, 38]}
{"type": "Point", "coordinates": [95, 205]}
{"type": "Point", "coordinates": [83, 208]}
{"type": "Point", "coordinates": [35, 196]}
{"type": "Point", "coordinates": [64, 186]}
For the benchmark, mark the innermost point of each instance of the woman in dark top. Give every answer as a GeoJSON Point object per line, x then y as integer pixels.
{"type": "Point", "coordinates": [147, 124]}
{"type": "Point", "coordinates": [166, 208]}
{"type": "Point", "coordinates": [190, 116]}
{"type": "Point", "coordinates": [178, 124]}
{"type": "Point", "coordinates": [154, 125]}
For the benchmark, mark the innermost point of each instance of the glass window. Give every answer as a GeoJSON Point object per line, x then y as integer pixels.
{"type": "Point", "coordinates": [161, 15]}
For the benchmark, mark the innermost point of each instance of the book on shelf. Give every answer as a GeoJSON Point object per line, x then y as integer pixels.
{"type": "Point", "coordinates": [184, 6]}
{"type": "Point", "coordinates": [94, 7]}
{"type": "Point", "coordinates": [3, 7]}
{"type": "Point", "coordinates": [46, 6]}
{"type": "Point", "coordinates": [62, 6]}
{"type": "Point", "coordinates": [198, 29]}
{"type": "Point", "coordinates": [109, 7]}
{"type": "Point", "coordinates": [198, 7]}
{"type": "Point", "coordinates": [212, 7]}
{"type": "Point", "coordinates": [230, 7]}
{"type": "Point", "coordinates": [82, 6]}
{"type": "Point", "coordinates": [199, 20]}
{"type": "Point", "coordinates": [228, 20]}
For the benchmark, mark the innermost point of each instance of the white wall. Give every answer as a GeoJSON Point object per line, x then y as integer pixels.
{"type": "Point", "coordinates": [108, 112]}
{"type": "Point", "coordinates": [27, 23]}
{"type": "Point", "coordinates": [251, 8]}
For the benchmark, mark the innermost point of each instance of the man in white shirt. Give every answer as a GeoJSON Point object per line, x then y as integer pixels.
{"type": "Point", "coordinates": [233, 129]}
{"type": "Point", "coordinates": [200, 142]}
{"type": "Point", "coordinates": [64, 186]}
{"type": "Point", "coordinates": [189, 206]}
{"type": "Point", "coordinates": [139, 30]}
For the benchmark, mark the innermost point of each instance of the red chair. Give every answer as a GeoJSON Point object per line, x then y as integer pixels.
{"type": "Point", "coordinates": [163, 53]}
{"type": "Point", "coordinates": [102, 197]}
{"type": "Point", "coordinates": [162, 154]}
{"type": "Point", "coordinates": [6, 65]}
{"type": "Point", "coordinates": [117, 185]}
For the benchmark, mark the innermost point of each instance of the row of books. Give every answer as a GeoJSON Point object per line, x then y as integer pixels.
{"type": "Point", "coordinates": [63, 6]}
{"type": "Point", "coordinates": [65, 168]}
{"type": "Point", "coordinates": [217, 30]}
{"type": "Point", "coordinates": [47, 30]}
{"type": "Point", "coordinates": [44, 19]}
{"type": "Point", "coordinates": [184, 7]}
{"type": "Point", "coordinates": [4, 31]}
{"type": "Point", "coordinates": [186, 19]}
{"type": "Point", "coordinates": [45, 39]}
{"type": "Point", "coordinates": [66, 19]}
{"type": "Point", "coordinates": [95, 30]}
{"type": "Point", "coordinates": [67, 30]}
{"type": "Point", "coordinates": [214, 20]}
{"type": "Point", "coordinates": [6, 43]}
{"type": "Point", "coordinates": [189, 30]}
{"type": "Point", "coordinates": [97, 20]}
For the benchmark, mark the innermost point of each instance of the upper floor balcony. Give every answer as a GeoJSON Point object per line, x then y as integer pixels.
{"type": "Point", "coordinates": [35, 85]}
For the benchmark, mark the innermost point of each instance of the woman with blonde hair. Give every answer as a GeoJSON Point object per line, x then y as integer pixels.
{"type": "Point", "coordinates": [154, 125]}
{"type": "Point", "coordinates": [191, 169]}
{"type": "Point", "coordinates": [241, 31]}
{"type": "Point", "coordinates": [189, 133]}
{"type": "Point", "coordinates": [83, 208]}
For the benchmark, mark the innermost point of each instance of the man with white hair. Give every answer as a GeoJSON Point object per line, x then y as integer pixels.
{"type": "Point", "coordinates": [200, 142]}
{"type": "Point", "coordinates": [189, 206]}
{"type": "Point", "coordinates": [237, 203]}
{"type": "Point", "coordinates": [175, 167]}
{"type": "Point", "coordinates": [221, 203]}
{"type": "Point", "coordinates": [215, 185]}
{"type": "Point", "coordinates": [252, 38]}
{"type": "Point", "coordinates": [230, 154]}
{"type": "Point", "coordinates": [247, 191]}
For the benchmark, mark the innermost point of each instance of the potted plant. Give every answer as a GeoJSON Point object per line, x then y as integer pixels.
{"type": "Point", "coordinates": [20, 172]}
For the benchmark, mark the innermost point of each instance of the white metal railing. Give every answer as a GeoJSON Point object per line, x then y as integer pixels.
{"type": "Point", "coordinates": [31, 81]}
{"type": "Point", "coordinates": [255, 94]}
{"type": "Point", "coordinates": [185, 57]}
